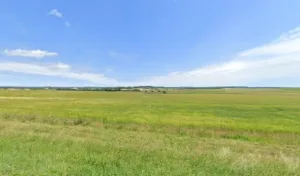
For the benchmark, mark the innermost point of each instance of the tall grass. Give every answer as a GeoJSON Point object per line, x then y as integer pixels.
{"type": "Point", "coordinates": [199, 132]}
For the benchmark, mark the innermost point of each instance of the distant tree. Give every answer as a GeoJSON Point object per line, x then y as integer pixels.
{"type": "Point", "coordinates": [136, 90]}
{"type": "Point", "coordinates": [164, 92]}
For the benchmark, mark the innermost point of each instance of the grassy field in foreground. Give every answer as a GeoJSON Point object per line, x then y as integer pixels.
{"type": "Point", "coordinates": [195, 132]}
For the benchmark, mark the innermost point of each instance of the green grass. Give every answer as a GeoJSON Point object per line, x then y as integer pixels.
{"type": "Point", "coordinates": [194, 132]}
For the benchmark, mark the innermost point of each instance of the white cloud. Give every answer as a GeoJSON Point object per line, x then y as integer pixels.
{"type": "Point", "coordinates": [56, 13]}
{"type": "Point", "coordinates": [109, 70]}
{"type": "Point", "coordinates": [29, 53]}
{"type": "Point", "coordinates": [61, 66]}
{"type": "Point", "coordinates": [57, 70]}
{"type": "Point", "coordinates": [276, 60]}
{"type": "Point", "coordinates": [67, 24]}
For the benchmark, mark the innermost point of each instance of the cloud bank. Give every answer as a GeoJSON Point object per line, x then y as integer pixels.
{"type": "Point", "coordinates": [277, 60]}
{"type": "Point", "coordinates": [29, 53]}
{"type": "Point", "coordinates": [56, 70]}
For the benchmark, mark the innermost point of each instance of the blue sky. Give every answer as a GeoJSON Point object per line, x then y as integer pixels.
{"type": "Point", "coordinates": [150, 42]}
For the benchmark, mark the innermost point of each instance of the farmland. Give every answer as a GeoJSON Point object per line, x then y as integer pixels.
{"type": "Point", "coordinates": [189, 132]}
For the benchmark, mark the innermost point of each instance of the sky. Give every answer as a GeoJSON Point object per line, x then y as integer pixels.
{"type": "Point", "coordinates": [150, 42]}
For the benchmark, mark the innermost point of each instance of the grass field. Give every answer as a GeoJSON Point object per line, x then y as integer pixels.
{"type": "Point", "coordinates": [192, 132]}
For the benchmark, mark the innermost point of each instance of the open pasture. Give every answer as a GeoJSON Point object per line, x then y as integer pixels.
{"type": "Point", "coordinates": [186, 132]}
